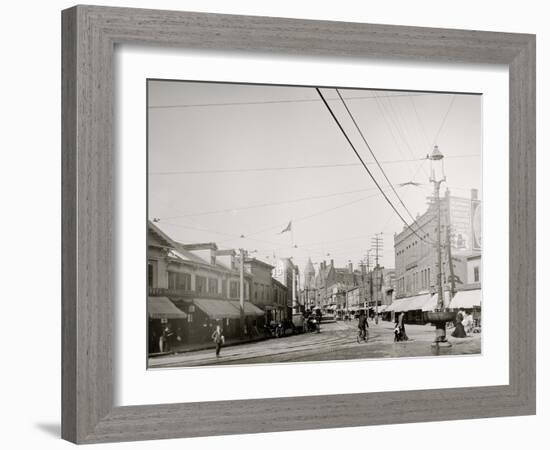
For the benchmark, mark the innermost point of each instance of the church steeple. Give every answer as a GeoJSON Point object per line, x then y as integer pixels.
{"type": "Point", "coordinates": [309, 274]}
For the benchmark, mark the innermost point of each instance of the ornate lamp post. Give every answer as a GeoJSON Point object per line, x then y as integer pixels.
{"type": "Point", "coordinates": [439, 317]}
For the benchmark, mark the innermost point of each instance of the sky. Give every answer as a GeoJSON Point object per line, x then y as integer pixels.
{"type": "Point", "coordinates": [234, 164]}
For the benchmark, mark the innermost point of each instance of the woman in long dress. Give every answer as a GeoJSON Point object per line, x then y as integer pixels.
{"type": "Point", "coordinates": [401, 323]}
{"type": "Point", "coordinates": [459, 328]}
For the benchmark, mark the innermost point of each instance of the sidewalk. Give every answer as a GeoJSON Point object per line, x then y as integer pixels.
{"type": "Point", "coordinates": [425, 333]}
{"type": "Point", "coordinates": [186, 348]}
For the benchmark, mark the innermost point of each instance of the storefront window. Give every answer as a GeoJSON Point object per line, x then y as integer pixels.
{"type": "Point", "coordinates": [200, 284]}
{"type": "Point", "coordinates": [179, 280]}
{"type": "Point", "coordinates": [212, 285]}
{"type": "Point", "coordinates": [234, 289]}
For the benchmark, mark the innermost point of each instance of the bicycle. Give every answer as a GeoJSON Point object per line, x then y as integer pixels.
{"type": "Point", "coordinates": [362, 337]}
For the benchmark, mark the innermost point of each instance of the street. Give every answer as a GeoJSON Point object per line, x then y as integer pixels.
{"type": "Point", "coordinates": [337, 341]}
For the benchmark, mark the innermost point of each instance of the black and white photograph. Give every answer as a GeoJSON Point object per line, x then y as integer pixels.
{"type": "Point", "coordinates": [293, 224]}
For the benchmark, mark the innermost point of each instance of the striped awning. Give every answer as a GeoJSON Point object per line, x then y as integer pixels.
{"type": "Point", "coordinates": [163, 308]}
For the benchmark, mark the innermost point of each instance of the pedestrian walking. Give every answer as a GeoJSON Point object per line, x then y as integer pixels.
{"type": "Point", "coordinates": [362, 325]}
{"type": "Point", "coordinates": [401, 325]}
{"type": "Point", "coordinates": [219, 339]}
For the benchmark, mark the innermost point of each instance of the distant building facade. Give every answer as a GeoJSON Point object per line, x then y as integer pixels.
{"type": "Point", "coordinates": [331, 283]}
{"type": "Point", "coordinates": [267, 293]}
{"type": "Point", "coordinates": [415, 255]}
{"type": "Point", "coordinates": [287, 274]}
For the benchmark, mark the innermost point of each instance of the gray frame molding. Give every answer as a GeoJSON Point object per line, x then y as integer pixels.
{"type": "Point", "coordinates": [89, 36]}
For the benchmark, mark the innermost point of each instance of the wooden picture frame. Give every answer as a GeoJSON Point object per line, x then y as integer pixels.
{"type": "Point", "coordinates": [89, 37]}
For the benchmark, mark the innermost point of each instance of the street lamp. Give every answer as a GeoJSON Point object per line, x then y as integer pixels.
{"type": "Point", "coordinates": [437, 167]}
{"type": "Point", "coordinates": [437, 176]}
{"type": "Point", "coordinates": [439, 317]}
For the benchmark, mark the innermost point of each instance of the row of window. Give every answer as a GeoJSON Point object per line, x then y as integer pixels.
{"type": "Point", "coordinates": [211, 285]}
{"type": "Point", "coordinates": [203, 285]}
{"type": "Point", "coordinates": [279, 297]}
{"type": "Point", "coordinates": [177, 280]}
{"type": "Point", "coordinates": [414, 282]}
{"type": "Point", "coordinates": [261, 292]}
{"type": "Point", "coordinates": [426, 237]}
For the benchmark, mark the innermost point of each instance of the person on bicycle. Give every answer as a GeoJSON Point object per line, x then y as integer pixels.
{"type": "Point", "coordinates": [363, 324]}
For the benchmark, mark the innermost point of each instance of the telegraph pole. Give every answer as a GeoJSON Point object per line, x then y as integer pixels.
{"type": "Point", "coordinates": [362, 289]}
{"type": "Point", "coordinates": [369, 275]}
{"type": "Point", "coordinates": [371, 290]}
{"type": "Point", "coordinates": [294, 300]}
{"type": "Point", "coordinates": [242, 253]}
{"type": "Point", "coordinates": [451, 268]}
{"type": "Point", "coordinates": [378, 245]}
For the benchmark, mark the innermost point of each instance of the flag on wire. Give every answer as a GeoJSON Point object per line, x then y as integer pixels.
{"type": "Point", "coordinates": [288, 228]}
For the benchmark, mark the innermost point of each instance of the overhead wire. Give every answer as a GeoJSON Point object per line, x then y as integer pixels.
{"type": "Point", "coordinates": [421, 122]}
{"type": "Point", "coordinates": [401, 128]}
{"type": "Point", "coordinates": [264, 205]}
{"type": "Point", "coordinates": [221, 233]}
{"type": "Point", "coordinates": [385, 115]}
{"type": "Point", "coordinates": [318, 213]}
{"type": "Point", "coordinates": [269, 169]}
{"type": "Point", "coordinates": [358, 128]}
{"type": "Point", "coordinates": [269, 102]}
{"type": "Point", "coordinates": [365, 166]}
{"type": "Point", "coordinates": [377, 162]}
{"type": "Point", "coordinates": [444, 118]}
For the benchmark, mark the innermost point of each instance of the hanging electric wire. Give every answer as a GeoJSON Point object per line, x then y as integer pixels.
{"type": "Point", "coordinates": [358, 128]}
{"type": "Point", "coordinates": [220, 233]}
{"type": "Point", "coordinates": [386, 116]}
{"type": "Point", "coordinates": [274, 169]}
{"type": "Point", "coordinates": [315, 214]}
{"type": "Point", "coordinates": [271, 102]}
{"type": "Point", "coordinates": [367, 168]}
{"type": "Point", "coordinates": [264, 205]}
{"type": "Point", "coordinates": [421, 122]}
{"type": "Point", "coordinates": [444, 119]}
{"type": "Point", "coordinates": [402, 125]}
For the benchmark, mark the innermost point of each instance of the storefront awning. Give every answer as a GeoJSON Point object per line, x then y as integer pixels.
{"type": "Point", "coordinates": [419, 302]}
{"type": "Point", "coordinates": [249, 309]}
{"type": "Point", "coordinates": [217, 309]}
{"type": "Point", "coordinates": [398, 305]}
{"type": "Point", "coordinates": [466, 299]}
{"type": "Point", "coordinates": [416, 303]}
{"type": "Point", "coordinates": [163, 308]}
